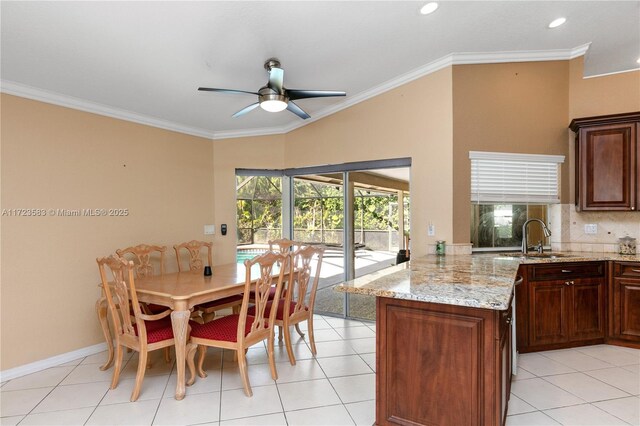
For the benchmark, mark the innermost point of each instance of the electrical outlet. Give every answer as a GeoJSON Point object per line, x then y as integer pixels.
{"type": "Point", "coordinates": [591, 228]}
{"type": "Point", "coordinates": [209, 229]}
{"type": "Point", "coordinates": [431, 230]}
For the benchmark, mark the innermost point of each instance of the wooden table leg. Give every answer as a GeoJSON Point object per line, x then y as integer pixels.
{"type": "Point", "coordinates": [180, 325]}
{"type": "Point", "coordinates": [101, 311]}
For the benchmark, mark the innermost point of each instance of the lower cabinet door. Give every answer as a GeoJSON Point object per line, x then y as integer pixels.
{"type": "Point", "coordinates": [549, 312]}
{"type": "Point", "coordinates": [626, 312]}
{"type": "Point", "coordinates": [587, 309]}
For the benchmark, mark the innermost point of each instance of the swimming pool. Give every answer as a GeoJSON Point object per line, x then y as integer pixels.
{"type": "Point", "coordinates": [242, 255]}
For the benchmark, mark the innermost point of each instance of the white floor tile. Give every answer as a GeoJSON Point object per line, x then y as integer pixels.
{"type": "Point", "coordinates": [344, 366]}
{"type": "Point", "coordinates": [14, 403]}
{"type": "Point", "coordinates": [536, 418]}
{"type": "Point", "coordinates": [277, 419]}
{"type": "Point", "coordinates": [309, 394]}
{"type": "Point", "coordinates": [73, 396]}
{"type": "Point", "coordinates": [523, 374]}
{"type": "Point", "coordinates": [627, 409]}
{"type": "Point", "coordinates": [152, 388]}
{"type": "Point", "coordinates": [612, 354]}
{"type": "Point", "coordinates": [322, 416]}
{"type": "Point", "coordinates": [542, 366]}
{"type": "Point", "coordinates": [41, 379]}
{"type": "Point", "coordinates": [341, 322]}
{"type": "Point", "coordinates": [256, 354]}
{"type": "Point", "coordinates": [259, 375]}
{"type": "Point", "coordinates": [73, 363]}
{"type": "Point", "coordinates": [199, 408]}
{"type": "Point", "coordinates": [363, 346]}
{"type": "Point", "coordinates": [576, 360]}
{"type": "Point", "coordinates": [10, 421]}
{"type": "Point", "coordinates": [326, 335]}
{"type": "Point", "coordinates": [338, 348]}
{"type": "Point", "coordinates": [363, 413]}
{"type": "Point", "coordinates": [300, 351]}
{"type": "Point", "coordinates": [619, 378]}
{"type": "Point", "coordinates": [370, 359]}
{"type": "Point", "coordinates": [318, 324]}
{"type": "Point", "coordinates": [583, 415]}
{"type": "Point", "coordinates": [211, 383]}
{"type": "Point", "coordinates": [633, 368]}
{"type": "Point", "coordinates": [518, 406]}
{"type": "Point", "coordinates": [101, 358]}
{"type": "Point", "coordinates": [543, 395]}
{"type": "Point", "coordinates": [235, 404]}
{"type": "Point", "coordinates": [355, 388]}
{"type": "Point", "coordinates": [158, 368]}
{"type": "Point", "coordinates": [130, 413]}
{"type": "Point", "coordinates": [306, 369]}
{"type": "Point", "coordinates": [88, 373]}
{"type": "Point", "coordinates": [586, 387]}
{"type": "Point", "coordinates": [355, 332]}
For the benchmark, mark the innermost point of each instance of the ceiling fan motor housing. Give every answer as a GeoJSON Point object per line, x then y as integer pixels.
{"type": "Point", "coordinates": [268, 94]}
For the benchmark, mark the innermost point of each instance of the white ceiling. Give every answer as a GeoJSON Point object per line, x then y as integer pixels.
{"type": "Point", "coordinates": [144, 60]}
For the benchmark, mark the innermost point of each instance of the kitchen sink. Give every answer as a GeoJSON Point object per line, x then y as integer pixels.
{"type": "Point", "coordinates": [534, 255]}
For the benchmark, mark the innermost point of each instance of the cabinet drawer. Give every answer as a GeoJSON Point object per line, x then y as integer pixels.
{"type": "Point", "coordinates": [626, 269]}
{"type": "Point", "coordinates": [560, 271]}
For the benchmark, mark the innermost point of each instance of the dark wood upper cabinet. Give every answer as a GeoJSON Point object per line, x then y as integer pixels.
{"type": "Point", "coordinates": [607, 162]}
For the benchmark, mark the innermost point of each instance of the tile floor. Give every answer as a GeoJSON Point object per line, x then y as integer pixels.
{"type": "Point", "coordinates": [596, 385]}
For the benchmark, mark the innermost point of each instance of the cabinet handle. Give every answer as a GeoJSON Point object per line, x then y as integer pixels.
{"type": "Point", "coordinates": [566, 271]}
{"type": "Point", "coordinates": [635, 270]}
{"type": "Point", "coordinates": [508, 321]}
{"type": "Point", "coordinates": [567, 283]}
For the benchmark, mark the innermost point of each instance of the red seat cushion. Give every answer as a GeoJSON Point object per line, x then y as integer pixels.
{"type": "Point", "coordinates": [225, 328]}
{"type": "Point", "coordinates": [156, 309]}
{"type": "Point", "coordinates": [279, 314]}
{"type": "Point", "coordinates": [272, 294]}
{"type": "Point", "coordinates": [220, 302]}
{"type": "Point", "coordinates": [157, 330]}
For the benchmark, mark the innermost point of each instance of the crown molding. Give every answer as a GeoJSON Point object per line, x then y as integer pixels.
{"type": "Point", "coordinates": [611, 73]}
{"type": "Point", "coordinates": [462, 58]}
{"type": "Point", "coordinates": [36, 94]}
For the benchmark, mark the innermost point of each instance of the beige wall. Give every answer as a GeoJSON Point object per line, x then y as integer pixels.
{"type": "Point", "coordinates": [414, 120]}
{"type": "Point", "coordinates": [54, 157]}
{"type": "Point", "coordinates": [516, 107]}
{"type": "Point", "coordinates": [264, 152]}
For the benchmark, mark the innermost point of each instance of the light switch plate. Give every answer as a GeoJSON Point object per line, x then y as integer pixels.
{"type": "Point", "coordinates": [431, 230]}
{"type": "Point", "coordinates": [591, 228]}
{"type": "Point", "coordinates": [209, 229]}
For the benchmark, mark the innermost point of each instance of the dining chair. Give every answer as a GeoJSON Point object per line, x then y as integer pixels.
{"type": "Point", "coordinates": [293, 309]}
{"type": "Point", "coordinates": [133, 329]}
{"type": "Point", "coordinates": [194, 248]}
{"type": "Point", "coordinates": [238, 332]}
{"type": "Point", "coordinates": [143, 267]}
{"type": "Point", "coordinates": [282, 246]}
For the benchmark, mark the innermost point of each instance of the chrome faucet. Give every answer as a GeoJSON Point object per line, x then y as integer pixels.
{"type": "Point", "coordinates": [525, 243]}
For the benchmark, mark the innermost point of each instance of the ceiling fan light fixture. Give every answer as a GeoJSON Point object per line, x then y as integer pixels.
{"type": "Point", "coordinates": [429, 8]}
{"type": "Point", "coordinates": [274, 103]}
{"type": "Point", "coordinates": [557, 22]}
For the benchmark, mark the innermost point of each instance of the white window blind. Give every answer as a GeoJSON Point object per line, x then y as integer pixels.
{"type": "Point", "coordinates": [515, 178]}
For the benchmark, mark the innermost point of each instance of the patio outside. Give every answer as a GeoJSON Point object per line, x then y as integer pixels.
{"type": "Point", "coordinates": [319, 219]}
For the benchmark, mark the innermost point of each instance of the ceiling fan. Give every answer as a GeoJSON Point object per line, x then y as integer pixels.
{"type": "Point", "coordinates": [274, 96]}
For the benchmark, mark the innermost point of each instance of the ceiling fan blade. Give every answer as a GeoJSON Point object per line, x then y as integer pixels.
{"type": "Point", "coordinates": [276, 79]}
{"type": "Point", "coordinates": [246, 109]}
{"type": "Point", "coordinates": [211, 89]}
{"type": "Point", "coordinates": [294, 94]}
{"type": "Point", "coordinates": [297, 110]}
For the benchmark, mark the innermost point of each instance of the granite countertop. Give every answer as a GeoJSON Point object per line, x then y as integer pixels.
{"type": "Point", "coordinates": [479, 280]}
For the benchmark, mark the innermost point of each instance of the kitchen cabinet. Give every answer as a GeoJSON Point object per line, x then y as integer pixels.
{"type": "Point", "coordinates": [607, 162]}
{"type": "Point", "coordinates": [441, 364]}
{"type": "Point", "coordinates": [624, 305]}
{"type": "Point", "coordinates": [566, 305]}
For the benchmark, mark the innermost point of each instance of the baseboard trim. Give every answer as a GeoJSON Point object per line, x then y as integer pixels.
{"type": "Point", "coordinates": [54, 361]}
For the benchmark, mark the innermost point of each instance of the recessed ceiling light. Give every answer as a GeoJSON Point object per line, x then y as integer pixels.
{"type": "Point", "coordinates": [638, 61]}
{"type": "Point", "coordinates": [557, 22]}
{"type": "Point", "coordinates": [429, 8]}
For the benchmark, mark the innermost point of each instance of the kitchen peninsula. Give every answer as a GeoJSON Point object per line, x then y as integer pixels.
{"type": "Point", "coordinates": [444, 333]}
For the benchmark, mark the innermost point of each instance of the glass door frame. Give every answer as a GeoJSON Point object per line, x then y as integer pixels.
{"type": "Point", "coordinates": [348, 196]}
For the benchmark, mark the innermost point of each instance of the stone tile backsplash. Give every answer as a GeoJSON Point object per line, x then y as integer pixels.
{"type": "Point", "coordinates": [567, 229]}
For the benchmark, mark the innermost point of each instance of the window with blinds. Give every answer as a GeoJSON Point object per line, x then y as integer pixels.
{"type": "Point", "coordinates": [515, 178]}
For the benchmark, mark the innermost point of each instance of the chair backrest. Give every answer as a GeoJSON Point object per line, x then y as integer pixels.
{"type": "Point", "coordinates": [142, 254]}
{"type": "Point", "coordinates": [262, 286]}
{"type": "Point", "coordinates": [193, 248]}
{"type": "Point", "coordinates": [283, 245]}
{"type": "Point", "coordinates": [121, 294]}
{"type": "Point", "coordinates": [301, 281]}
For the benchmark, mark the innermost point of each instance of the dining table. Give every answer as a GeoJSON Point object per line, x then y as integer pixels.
{"type": "Point", "coordinates": [180, 292]}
